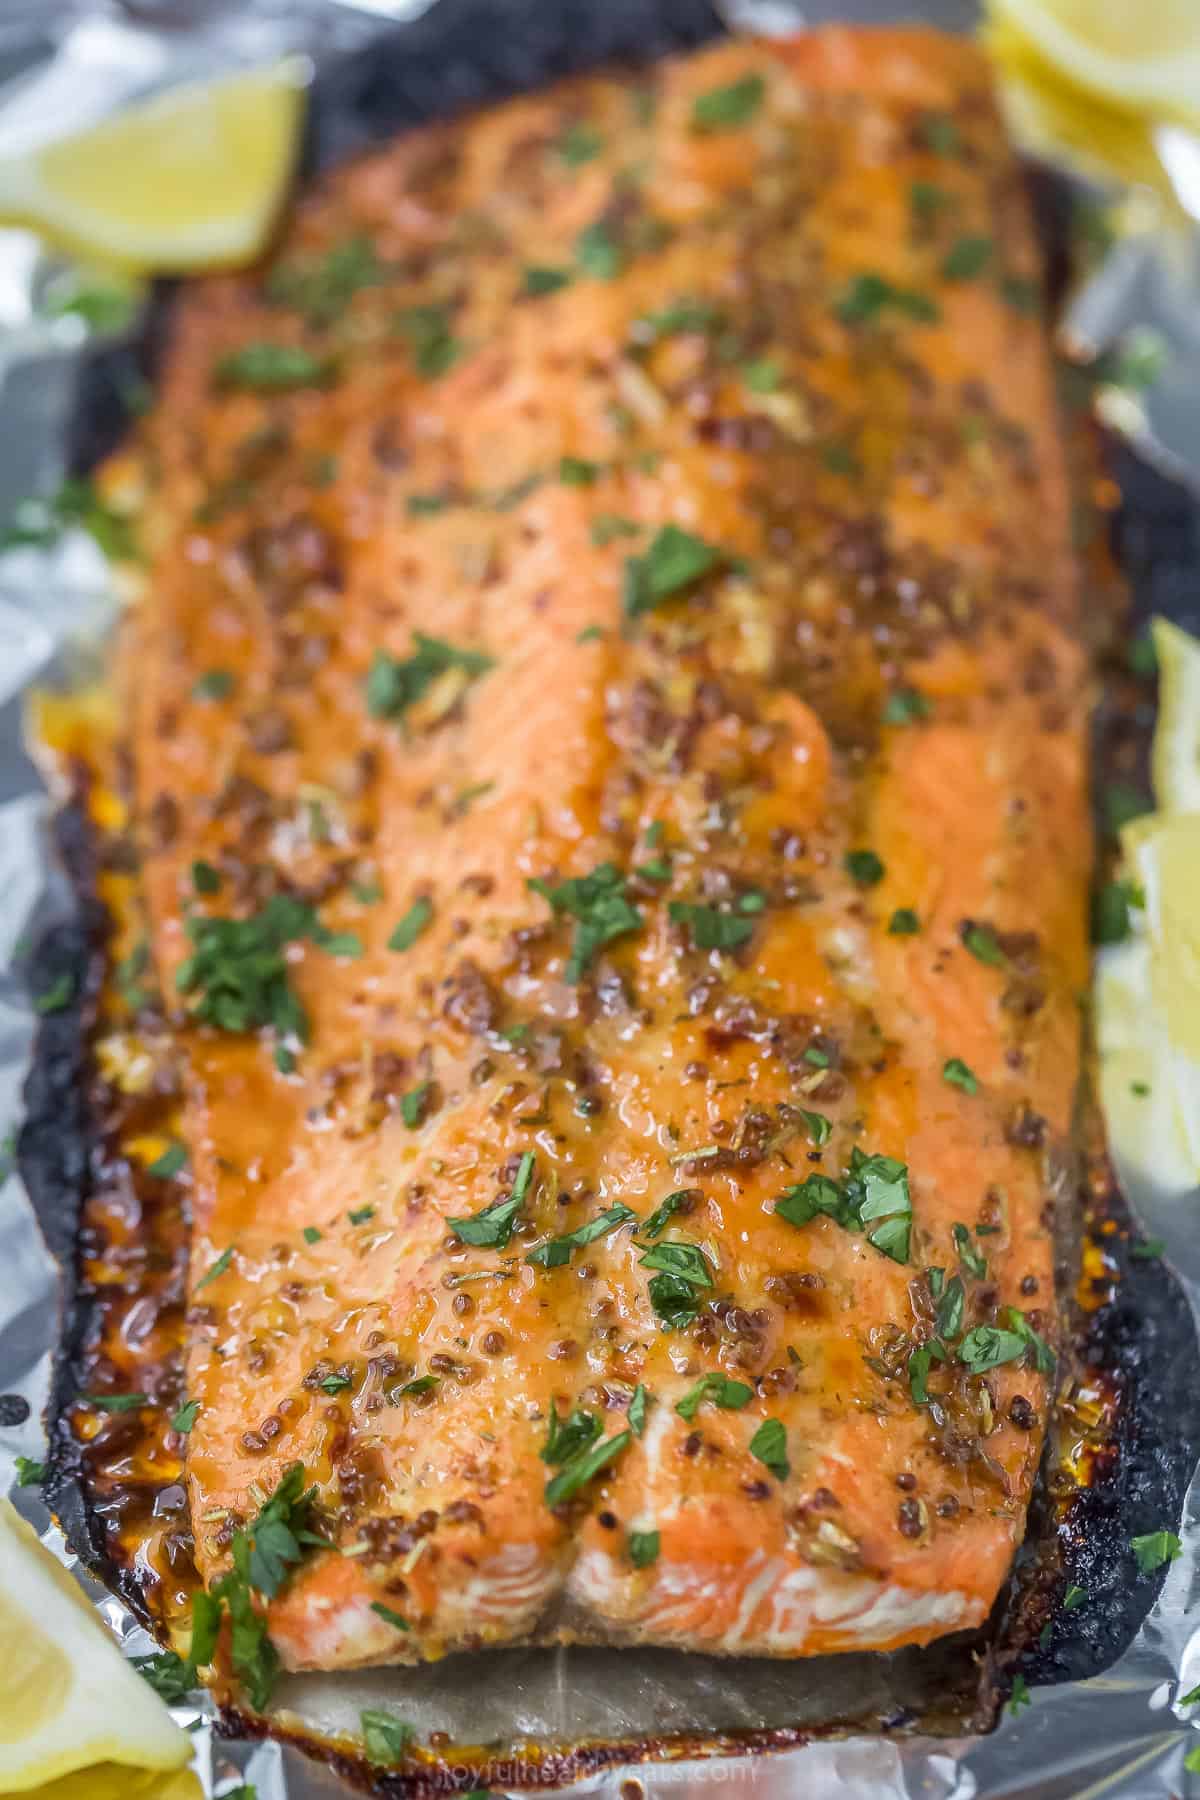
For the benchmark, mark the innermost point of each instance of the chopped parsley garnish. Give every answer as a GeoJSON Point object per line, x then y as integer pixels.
{"type": "Point", "coordinates": [982, 942]}
{"type": "Point", "coordinates": [1122, 803]}
{"type": "Point", "coordinates": [762, 376]}
{"type": "Point", "coordinates": [425, 506]}
{"type": "Point", "coordinates": [429, 335]}
{"type": "Point", "coordinates": [273, 368]}
{"type": "Point", "coordinates": [1154, 1549]}
{"type": "Point", "coordinates": [360, 1214]}
{"type": "Point", "coordinates": [217, 1270]}
{"type": "Point", "coordinates": [839, 459]}
{"type": "Point", "coordinates": [675, 1291]}
{"type": "Point", "coordinates": [956, 1072]}
{"type": "Point", "coordinates": [969, 1257]}
{"type": "Point", "coordinates": [864, 867]}
{"type": "Point", "coordinates": [185, 1418]}
{"type": "Point", "coordinates": [1149, 1251]}
{"type": "Point", "coordinates": [574, 471]}
{"type": "Point", "coordinates": [674, 560]}
{"type": "Point", "coordinates": [311, 1235]}
{"type": "Point", "coordinates": [393, 1618]}
{"type": "Point", "coordinates": [873, 1188]}
{"type": "Point", "coordinates": [605, 528]}
{"type": "Point", "coordinates": [1020, 1695]}
{"type": "Point", "coordinates": [171, 1162]}
{"type": "Point", "coordinates": [1022, 293]}
{"type": "Point", "coordinates": [730, 1395]}
{"type": "Point", "coordinates": [820, 1129]}
{"type": "Point", "coordinates": [58, 995]}
{"type": "Point", "coordinates": [657, 1221]}
{"type": "Point", "coordinates": [116, 1403]}
{"type": "Point", "coordinates": [414, 1103]}
{"type": "Point", "coordinates": [557, 1251]}
{"type": "Point", "coordinates": [598, 253]}
{"type": "Point", "coordinates": [966, 258]}
{"type": "Point", "coordinates": [169, 1675]}
{"type": "Point", "coordinates": [926, 200]}
{"type": "Point", "coordinates": [206, 879]}
{"type": "Point", "coordinates": [819, 1059]}
{"type": "Point", "coordinates": [711, 928]}
{"type": "Point", "coordinates": [867, 297]}
{"type": "Point", "coordinates": [335, 1383]}
{"type": "Point", "coordinates": [939, 132]}
{"type": "Point", "coordinates": [590, 634]}
{"type": "Point", "coordinates": [414, 922]}
{"type": "Point", "coordinates": [321, 290]}
{"type": "Point", "coordinates": [769, 1445]}
{"type": "Point", "coordinates": [1074, 1598]}
{"type": "Point", "coordinates": [903, 923]}
{"type": "Point", "coordinates": [540, 280]}
{"type": "Point", "coordinates": [30, 1473]}
{"type": "Point", "coordinates": [905, 706]}
{"type": "Point", "coordinates": [685, 315]}
{"type": "Point", "coordinates": [584, 1466]}
{"type": "Point", "coordinates": [39, 523]}
{"type": "Point", "coordinates": [579, 144]}
{"type": "Point", "coordinates": [599, 904]}
{"type": "Point", "coordinates": [637, 1410]}
{"type": "Point", "coordinates": [214, 684]}
{"type": "Point", "coordinates": [725, 108]}
{"type": "Point", "coordinates": [395, 683]}
{"type": "Point", "coordinates": [1111, 908]}
{"type": "Point", "coordinates": [492, 1228]}
{"type": "Point", "coordinates": [238, 970]}
{"type": "Point", "coordinates": [643, 1548]}
{"type": "Point", "coordinates": [424, 1384]}
{"type": "Point", "coordinates": [386, 1740]}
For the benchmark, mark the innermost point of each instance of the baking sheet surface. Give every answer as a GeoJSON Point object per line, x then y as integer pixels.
{"type": "Point", "coordinates": [1117, 1734]}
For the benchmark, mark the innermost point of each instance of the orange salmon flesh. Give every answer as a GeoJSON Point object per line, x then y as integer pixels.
{"type": "Point", "coordinates": [609, 754]}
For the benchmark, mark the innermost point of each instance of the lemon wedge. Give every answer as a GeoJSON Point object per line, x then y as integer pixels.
{"type": "Point", "coordinates": [1176, 759]}
{"type": "Point", "coordinates": [1144, 57]}
{"type": "Point", "coordinates": [68, 1698]}
{"type": "Point", "coordinates": [191, 179]}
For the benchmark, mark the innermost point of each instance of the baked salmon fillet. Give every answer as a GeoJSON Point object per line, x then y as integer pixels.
{"type": "Point", "coordinates": [609, 746]}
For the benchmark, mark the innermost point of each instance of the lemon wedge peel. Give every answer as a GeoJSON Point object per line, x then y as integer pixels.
{"type": "Point", "coordinates": [191, 179]}
{"type": "Point", "coordinates": [1144, 58]}
{"type": "Point", "coordinates": [1147, 990]}
{"type": "Point", "coordinates": [69, 1699]}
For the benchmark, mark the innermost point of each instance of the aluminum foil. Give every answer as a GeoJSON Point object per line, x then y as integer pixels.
{"type": "Point", "coordinates": [1120, 1734]}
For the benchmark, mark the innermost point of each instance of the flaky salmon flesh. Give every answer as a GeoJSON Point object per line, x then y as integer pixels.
{"type": "Point", "coordinates": [608, 736]}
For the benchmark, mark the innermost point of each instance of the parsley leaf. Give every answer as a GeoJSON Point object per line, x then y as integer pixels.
{"type": "Point", "coordinates": [864, 867]}
{"type": "Point", "coordinates": [956, 1072]}
{"type": "Point", "coordinates": [939, 133]}
{"type": "Point", "coordinates": [584, 1467]}
{"type": "Point", "coordinates": [172, 1161]}
{"type": "Point", "coordinates": [557, 1251]}
{"type": "Point", "coordinates": [218, 1269]}
{"type": "Point", "coordinates": [868, 296]}
{"type": "Point", "coordinates": [1020, 1695]}
{"type": "Point", "coordinates": [1074, 1598]}
{"type": "Point", "coordinates": [710, 928]}
{"type": "Point", "coordinates": [58, 995]}
{"type": "Point", "coordinates": [725, 108]}
{"type": "Point", "coordinates": [116, 1403]}
{"type": "Point", "coordinates": [674, 1291]}
{"type": "Point", "coordinates": [720, 1389]}
{"type": "Point", "coordinates": [637, 1410]}
{"type": "Point", "coordinates": [658, 1218]}
{"type": "Point", "coordinates": [385, 1739]}
{"type": "Point", "coordinates": [606, 527]}
{"type": "Point", "coordinates": [414, 1103]}
{"type": "Point", "coordinates": [905, 706]}
{"type": "Point", "coordinates": [966, 258]}
{"type": "Point", "coordinates": [396, 683]}
{"type": "Point", "coordinates": [903, 922]}
{"type": "Point", "coordinates": [1154, 1549]}
{"type": "Point", "coordinates": [169, 1675]}
{"type": "Point", "coordinates": [987, 1346]}
{"type": "Point", "coordinates": [598, 253]}
{"type": "Point", "coordinates": [982, 942]}
{"type": "Point", "coordinates": [674, 560]}
{"type": "Point", "coordinates": [238, 968]}
{"type": "Point", "coordinates": [769, 1445]}
{"type": "Point", "coordinates": [538, 281]}
{"type": "Point", "coordinates": [393, 1618]}
{"type": "Point", "coordinates": [575, 471]}
{"type": "Point", "coordinates": [322, 289]}
{"type": "Point", "coordinates": [185, 1418]}
{"type": "Point", "coordinates": [273, 368]}
{"type": "Point", "coordinates": [580, 144]}
{"type": "Point", "coordinates": [565, 1438]}
{"type": "Point", "coordinates": [214, 684]}
{"type": "Point", "coordinates": [643, 1548]}
{"type": "Point", "coordinates": [427, 329]}
{"type": "Point", "coordinates": [1111, 907]}
{"type": "Point", "coordinates": [492, 1228]}
{"type": "Point", "coordinates": [970, 1258]}
{"type": "Point", "coordinates": [30, 1473]}
{"type": "Point", "coordinates": [414, 922]}
{"type": "Point", "coordinates": [599, 903]}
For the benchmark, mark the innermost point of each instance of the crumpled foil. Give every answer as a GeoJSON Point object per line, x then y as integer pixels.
{"type": "Point", "coordinates": [1121, 1734]}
